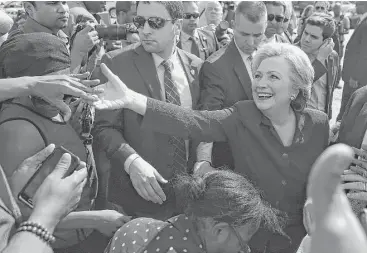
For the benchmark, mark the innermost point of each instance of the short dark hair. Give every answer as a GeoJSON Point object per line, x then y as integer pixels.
{"type": "Point", "coordinates": [124, 6]}
{"type": "Point", "coordinates": [174, 8]}
{"type": "Point", "coordinates": [252, 10]}
{"type": "Point", "coordinates": [325, 21]}
{"type": "Point", "coordinates": [277, 3]}
{"type": "Point", "coordinates": [227, 197]}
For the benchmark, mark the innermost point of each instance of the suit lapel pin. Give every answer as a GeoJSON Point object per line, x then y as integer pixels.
{"type": "Point", "coordinates": [192, 72]}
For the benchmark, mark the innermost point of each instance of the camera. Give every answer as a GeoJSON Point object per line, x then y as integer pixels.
{"type": "Point", "coordinates": [115, 32]}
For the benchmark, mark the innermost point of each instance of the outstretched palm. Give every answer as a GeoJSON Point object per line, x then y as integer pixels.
{"type": "Point", "coordinates": [115, 95]}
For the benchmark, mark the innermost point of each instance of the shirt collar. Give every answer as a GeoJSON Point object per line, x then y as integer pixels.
{"type": "Point", "coordinates": [185, 37]}
{"type": "Point", "coordinates": [300, 121]}
{"type": "Point", "coordinates": [158, 60]}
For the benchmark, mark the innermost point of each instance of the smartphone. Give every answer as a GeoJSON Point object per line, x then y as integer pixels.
{"type": "Point", "coordinates": [29, 190]}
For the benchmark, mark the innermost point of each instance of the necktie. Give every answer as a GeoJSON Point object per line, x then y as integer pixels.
{"type": "Point", "coordinates": [249, 60]}
{"type": "Point", "coordinates": [173, 97]}
{"type": "Point", "coordinates": [194, 47]}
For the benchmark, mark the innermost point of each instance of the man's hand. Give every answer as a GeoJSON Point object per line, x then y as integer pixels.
{"type": "Point", "coordinates": [337, 229]}
{"type": "Point", "coordinates": [53, 88]}
{"type": "Point", "coordinates": [353, 83]}
{"type": "Point", "coordinates": [85, 40]}
{"type": "Point", "coordinates": [116, 94]}
{"type": "Point", "coordinates": [110, 221]}
{"type": "Point", "coordinates": [145, 180]}
{"type": "Point", "coordinates": [325, 50]}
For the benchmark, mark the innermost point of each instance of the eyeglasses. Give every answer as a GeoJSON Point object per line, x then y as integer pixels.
{"type": "Point", "coordinates": [244, 247]}
{"type": "Point", "coordinates": [277, 18]}
{"type": "Point", "coordinates": [322, 8]}
{"type": "Point", "coordinates": [153, 22]}
{"type": "Point", "coordinates": [286, 20]}
{"type": "Point", "coordinates": [190, 15]}
{"type": "Point", "coordinates": [216, 9]}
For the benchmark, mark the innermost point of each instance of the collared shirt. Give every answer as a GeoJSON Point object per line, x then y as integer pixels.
{"type": "Point", "coordinates": [186, 42]}
{"type": "Point", "coordinates": [246, 58]}
{"type": "Point", "coordinates": [318, 94]}
{"type": "Point", "coordinates": [179, 76]}
{"type": "Point", "coordinates": [32, 26]}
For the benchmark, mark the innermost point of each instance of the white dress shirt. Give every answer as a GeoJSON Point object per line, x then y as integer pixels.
{"type": "Point", "coordinates": [246, 58]}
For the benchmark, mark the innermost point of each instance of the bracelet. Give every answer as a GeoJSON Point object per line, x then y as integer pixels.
{"type": "Point", "coordinates": [37, 229]}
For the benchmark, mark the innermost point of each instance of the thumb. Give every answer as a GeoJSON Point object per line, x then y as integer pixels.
{"type": "Point", "coordinates": [62, 166]}
{"type": "Point", "coordinates": [325, 177]}
{"type": "Point", "coordinates": [64, 108]}
{"type": "Point", "coordinates": [81, 76]}
{"type": "Point", "coordinates": [159, 177]}
{"type": "Point", "coordinates": [41, 156]}
{"type": "Point", "coordinates": [108, 74]}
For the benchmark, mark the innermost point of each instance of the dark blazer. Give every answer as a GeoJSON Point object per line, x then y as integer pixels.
{"type": "Point", "coordinates": [224, 80]}
{"type": "Point", "coordinates": [280, 172]}
{"type": "Point", "coordinates": [208, 43]}
{"type": "Point", "coordinates": [118, 132]}
{"type": "Point", "coordinates": [354, 122]}
{"type": "Point", "coordinates": [355, 59]}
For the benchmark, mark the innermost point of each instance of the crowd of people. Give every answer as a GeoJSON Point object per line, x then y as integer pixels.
{"type": "Point", "coordinates": [185, 127]}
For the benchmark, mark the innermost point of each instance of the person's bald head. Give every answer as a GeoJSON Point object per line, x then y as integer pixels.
{"type": "Point", "coordinates": [6, 23]}
{"type": "Point", "coordinates": [213, 12]}
{"type": "Point", "coordinates": [337, 9]}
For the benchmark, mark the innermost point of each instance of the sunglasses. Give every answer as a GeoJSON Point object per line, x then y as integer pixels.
{"type": "Point", "coordinates": [191, 15]}
{"type": "Point", "coordinates": [320, 8]}
{"type": "Point", "coordinates": [153, 22]}
{"type": "Point", "coordinates": [277, 18]}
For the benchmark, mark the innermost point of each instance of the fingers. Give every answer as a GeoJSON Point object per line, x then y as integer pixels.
{"type": "Point", "coordinates": [158, 190]}
{"type": "Point", "coordinates": [361, 196]}
{"type": "Point", "coordinates": [81, 76]}
{"type": "Point", "coordinates": [363, 220]}
{"type": "Point", "coordinates": [41, 156]}
{"type": "Point", "coordinates": [79, 177]}
{"type": "Point", "coordinates": [358, 170]}
{"type": "Point", "coordinates": [62, 166]}
{"type": "Point", "coordinates": [146, 190]}
{"type": "Point", "coordinates": [153, 196]}
{"type": "Point", "coordinates": [353, 178]}
{"type": "Point", "coordinates": [64, 108]}
{"type": "Point", "coordinates": [326, 176]}
{"type": "Point", "coordinates": [108, 73]}
{"type": "Point", "coordinates": [160, 178]}
{"type": "Point", "coordinates": [357, 186]}
{"type": "Point", "coordinates": [361, 153]}
{"type": "Point", "coordinates": [87, 28]}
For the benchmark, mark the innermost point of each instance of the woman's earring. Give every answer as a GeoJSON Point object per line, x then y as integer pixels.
{"type": "Point", "coordinates": [293, 97]}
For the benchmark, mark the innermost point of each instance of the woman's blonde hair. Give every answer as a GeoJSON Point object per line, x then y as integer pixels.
{"type": "Point", "coordinates": [302, 72]}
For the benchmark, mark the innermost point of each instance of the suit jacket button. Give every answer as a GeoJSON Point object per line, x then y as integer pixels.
{"type": "Point", "coordinates": [285, 156]}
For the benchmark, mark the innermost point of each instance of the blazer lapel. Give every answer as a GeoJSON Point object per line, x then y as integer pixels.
{"type": "Point", "coordinates": [241, 70]}
{"type": "Point", "coordinates": [146, 67]}
{"type": "Point", "coordinates": [191, 73]}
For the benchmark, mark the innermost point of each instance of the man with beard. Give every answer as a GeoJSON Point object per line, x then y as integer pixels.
{"type": "Point", "coordinates": [199, 42]}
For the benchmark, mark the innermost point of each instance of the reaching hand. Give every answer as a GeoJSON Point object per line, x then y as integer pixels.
{"type": "Point", "coordinates": [336, 228]}
{"type": "Point", "coordinates": [116, 94]}
{"type": "Point", "coordinates": [325, 50]}
{"type": "Point", "coordinates": [145, 181]}
{"type": "Point", "coordinates": [53, 88]}
{"type": "Point", "coordinates": [110, 221]}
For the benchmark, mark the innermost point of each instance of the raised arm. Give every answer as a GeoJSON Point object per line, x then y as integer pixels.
{"type": "Point", "coordinates": [164, 117]}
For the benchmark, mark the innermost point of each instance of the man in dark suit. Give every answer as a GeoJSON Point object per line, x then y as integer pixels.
{"type": "Point", "coordinates": [354, 72]}
{"type": "Point", "coordinates": [226, 76]}
{"type": "Point", "coordinates": [143, 160]}
{"type": "Point", "coordinates": [199, 42]}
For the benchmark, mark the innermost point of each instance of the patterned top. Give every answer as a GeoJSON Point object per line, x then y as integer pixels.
{"type": "Point", "coordinates": [144, 235]}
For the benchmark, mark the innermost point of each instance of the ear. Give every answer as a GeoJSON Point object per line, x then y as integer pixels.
{"type": "Point", "coordinates": [29, 8]}
{"type": "Point", "coordinates": [178, 27]}
{"type": "Point", "coordinates": [222, 232]}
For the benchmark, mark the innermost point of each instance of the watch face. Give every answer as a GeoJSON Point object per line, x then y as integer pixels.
{"type": "Point", "coordinates": [224, 25]}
